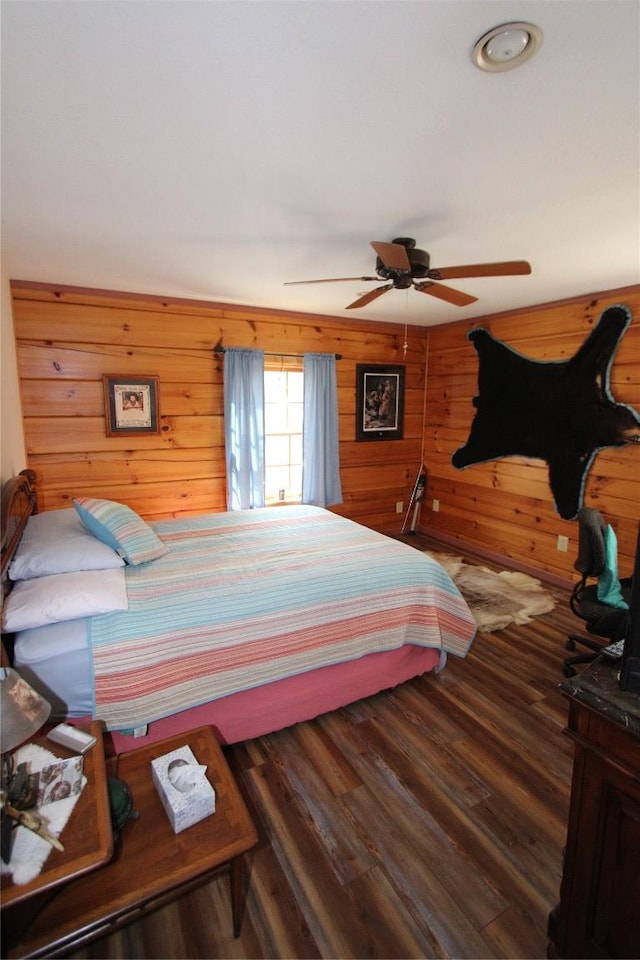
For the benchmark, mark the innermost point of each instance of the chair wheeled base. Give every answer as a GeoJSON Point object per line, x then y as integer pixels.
{"type": "Point", "coordinates": [570, 662]}
{"type": "Point", "coordinates": [602, 619]}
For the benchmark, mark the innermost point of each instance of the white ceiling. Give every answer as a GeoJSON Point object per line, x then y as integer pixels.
{"type": "Point", "coordinates": [213, 150]}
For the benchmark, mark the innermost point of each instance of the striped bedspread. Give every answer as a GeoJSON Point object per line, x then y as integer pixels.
{"type": "Point", "coordinates": [245, 598]}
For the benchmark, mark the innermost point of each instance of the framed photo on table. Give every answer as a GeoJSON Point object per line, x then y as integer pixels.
{"type": "Point", "coordinates": [131, 405]}
{"type": "Point", "coordinates": [379, 402]}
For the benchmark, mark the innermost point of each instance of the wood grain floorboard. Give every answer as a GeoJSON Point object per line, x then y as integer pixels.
{"type": "Point", "coordinates": [426, 821]}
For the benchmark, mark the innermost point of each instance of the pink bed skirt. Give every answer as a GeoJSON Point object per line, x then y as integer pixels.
{"type": "Point", "coordinates": [264, 709]}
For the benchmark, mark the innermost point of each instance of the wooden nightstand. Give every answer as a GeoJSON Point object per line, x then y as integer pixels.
{"type": "Point", "coordinates": [87, 839]}
{"type": "Point", "coordinates": [151, 865]}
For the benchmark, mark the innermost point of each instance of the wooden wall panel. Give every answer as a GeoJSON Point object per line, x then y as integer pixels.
{"type": "Point", "coordinates": [68, 337]}
{"type": "Point", "coordinates": [505, 508]}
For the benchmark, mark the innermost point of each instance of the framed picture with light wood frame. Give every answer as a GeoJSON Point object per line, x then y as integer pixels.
{"type": "Point", "coordinates": [379, 402]}
{"type": "Point", "coordinates": [131, 405]}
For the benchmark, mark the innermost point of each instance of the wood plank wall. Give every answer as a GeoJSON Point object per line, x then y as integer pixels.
{"type": "Point", "coordinates": [504, 508]}
{"type": "Point", "coordinates": [68, 337]}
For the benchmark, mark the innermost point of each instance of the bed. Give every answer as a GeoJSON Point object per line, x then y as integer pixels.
{"type": "Point", "coordinates": [249, 621]}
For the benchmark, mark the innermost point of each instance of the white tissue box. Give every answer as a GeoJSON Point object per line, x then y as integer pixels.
{"type": "Point", "coordinates": [184, 808]}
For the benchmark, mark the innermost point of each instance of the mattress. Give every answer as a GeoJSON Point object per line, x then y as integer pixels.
{"type": "Point", "coordinates": [56, 661]}
{"type": "Point", "coordinates": [245, 601]}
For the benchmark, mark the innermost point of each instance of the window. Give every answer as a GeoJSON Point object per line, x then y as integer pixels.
{"type": "Point", "coordinates": [302, 412]}
{"type": "Point", "coordinates": [283, 407]}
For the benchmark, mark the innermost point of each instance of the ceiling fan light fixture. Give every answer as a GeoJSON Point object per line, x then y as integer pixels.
{"type": "Point", "coordinates": [506, 46]}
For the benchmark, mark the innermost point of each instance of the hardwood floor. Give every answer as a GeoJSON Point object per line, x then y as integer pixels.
{"type": "Point", "coordinates": [426, 821]}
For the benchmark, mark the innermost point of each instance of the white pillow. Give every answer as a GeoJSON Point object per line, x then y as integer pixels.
{"type": "Point", "coordinates": [64, 596]}
{"type": "Point", "coordinates": [57, 541]}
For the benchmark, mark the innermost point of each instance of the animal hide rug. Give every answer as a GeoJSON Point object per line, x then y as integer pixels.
{"type": "Point", "coordinates": [496, 599]}
{"type": "Point", "coordinates": [559, 411]}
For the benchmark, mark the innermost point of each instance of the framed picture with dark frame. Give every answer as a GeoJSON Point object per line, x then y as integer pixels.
{"type": "Point", "coordinates": [131, 405]}
{"type": "Point", "coordinates": [379, 402]}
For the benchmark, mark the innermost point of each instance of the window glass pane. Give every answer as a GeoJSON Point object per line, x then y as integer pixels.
{"type": "Point", "coordinates": [296, 383]}
{"type": "Point", "coordinates": [276, 450]}
{"type": "Point", "coordinates": [295, 418]}
{"type": "Point", "coordinates": [283, 434]}
{"type": "Point", "coordinates": [277, 479]}
{"type": "Point", "coordinates": [296, 482]}
{"type": "Point", "coordinates": [295, 455]}
{"type": "Point", "coordinates": [275, 417]}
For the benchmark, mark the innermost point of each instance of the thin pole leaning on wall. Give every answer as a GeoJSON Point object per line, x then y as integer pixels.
{"type": "Point", "coordinates": [417, 495]}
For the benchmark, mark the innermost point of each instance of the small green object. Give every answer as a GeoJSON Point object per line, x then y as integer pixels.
{"type": "Point", "coordinates": [120, 804]}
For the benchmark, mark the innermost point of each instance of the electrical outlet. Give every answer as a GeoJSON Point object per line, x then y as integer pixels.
{"type": "Point", "coordinates": [435, 506]}
{"type": "Point", "coordinates": [563, 543]}
{"type": "Point", "coordinates": [399, 506]}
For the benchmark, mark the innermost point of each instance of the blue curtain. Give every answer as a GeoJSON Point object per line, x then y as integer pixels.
{"type": "Point", "coordinates": [320, 458]}
{"type": "Point", "coordinates": [244, 427]}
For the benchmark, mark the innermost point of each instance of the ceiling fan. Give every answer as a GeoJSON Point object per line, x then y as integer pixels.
{"type": "Point", "coordinates": [405, 266]}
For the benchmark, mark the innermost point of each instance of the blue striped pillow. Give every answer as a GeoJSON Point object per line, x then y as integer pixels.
{"type": "Point", "coordinates": [121, 528]}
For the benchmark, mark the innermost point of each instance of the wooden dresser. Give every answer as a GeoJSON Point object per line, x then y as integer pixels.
{"type": "Point", "coordinates": [599, 910]}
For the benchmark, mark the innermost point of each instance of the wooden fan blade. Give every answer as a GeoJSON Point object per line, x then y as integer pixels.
{"type": "Point", "coordinates": [457, 297]}
{"type": "Point", "coordinates": [506, 269]}
{"type": "Point", "coordinates": [291, 283]}
{"type": "Point", "coordinates": [368, 297]}
{"type": "Point", "coordinates": [393, 255]}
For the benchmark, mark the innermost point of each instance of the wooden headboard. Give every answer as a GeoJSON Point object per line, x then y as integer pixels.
{"type": "Point", "coordinates": [19, 502]}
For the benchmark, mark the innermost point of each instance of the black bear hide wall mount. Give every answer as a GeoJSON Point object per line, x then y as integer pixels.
{"type": "Point", "coordinates": [560, 411]}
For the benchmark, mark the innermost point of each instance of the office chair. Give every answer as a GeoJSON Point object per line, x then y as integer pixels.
{"type": "Point", "coordinates": [601, 619]}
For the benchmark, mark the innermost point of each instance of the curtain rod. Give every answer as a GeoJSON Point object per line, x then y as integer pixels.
{"type": "Point", "coordinates": [294, 356]}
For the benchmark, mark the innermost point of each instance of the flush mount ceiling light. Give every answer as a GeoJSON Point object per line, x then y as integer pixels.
{"type": "Point", "coordinates": [506, 46]}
